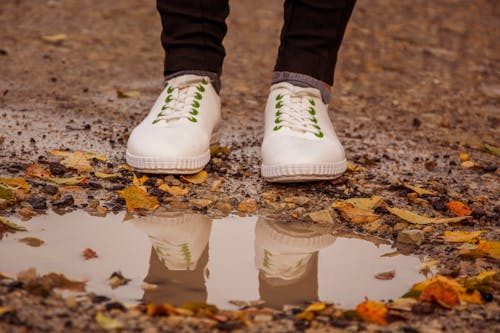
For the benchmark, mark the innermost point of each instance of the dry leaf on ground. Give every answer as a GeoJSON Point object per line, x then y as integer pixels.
{"type": "Point", "coordinates": [458, 208]}
{"type": "Point", "coordinates": [421, 219]}
{"type": "Point", "coordinates": [35, 170]}
{"type": "Point", "coordinates": [75, 160]}
{"type": "Point", "coordinates": [17, 183]}
{"type": "Point", "coordinates": [104, 175]}
{"type": "Point", "coordinates": [354, 214]}
{"type": "Point", "coordinates": [461, 236]}
{"type": "Point", "coordinates": [137, 198]}
{"type": "Point", "coordinates": [107, 323]}
{"type": "Point", "coordinates": [54, 39]}
{"type": "Point", "coordinates": [372, 311]}
{"type": "Point", "coordinates": [247, 206]}
{"type": "Point", "coordinates": [173, 190]}
{"type": "Point", "coordinates": [198, 178]}
{"type": "Point", "coordinates": [127, 94]}
{"type": "Point", "coordinates": [417, 189]}
{"type": "Point", "coordinates": [484, 248]}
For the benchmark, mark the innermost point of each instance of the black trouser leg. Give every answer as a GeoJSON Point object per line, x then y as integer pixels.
{"type": "Point", "coordinates": [192, 34]}
{"type": "Point", "coordinates": [311, 36]}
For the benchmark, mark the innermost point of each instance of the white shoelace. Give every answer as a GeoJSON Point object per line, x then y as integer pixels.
{"type": "Point", "coordinates": [182, 102]}
{"type": "Point", "coordinates": [297, 112]}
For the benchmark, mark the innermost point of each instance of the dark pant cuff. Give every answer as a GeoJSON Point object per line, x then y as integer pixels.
{"type": "Point", "coordinates": [214, 77]}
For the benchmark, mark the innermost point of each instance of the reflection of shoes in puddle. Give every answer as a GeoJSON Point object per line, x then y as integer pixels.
{"type": "Point", "coordinates": [177, 238]}
{"type": "Point", "coordinates": [283, 251]}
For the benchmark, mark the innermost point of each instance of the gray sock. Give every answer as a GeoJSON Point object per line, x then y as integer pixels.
{"type": "Point", "coordinates": [214, 77]}
{"type": "Point", "coordinates": [303, 80]}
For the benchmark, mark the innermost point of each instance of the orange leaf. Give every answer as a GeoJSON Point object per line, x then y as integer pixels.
{"type": "Point", "coordinates": [35, 170]}
{"type": "Point", "coordinates": [198, 178]}
{"type": "Point", "coordinates": [442, 293]}
{"type": "Point", "coordinates": [136, 197]}
{"type": "Point", "coordinates": [459, 209]}
{"type": "Point", "coordinates": [20, 183]}
{"type": "Point", "coordinates": [373, 311]}
{"type": "Point", "coordinates": [484, 249]}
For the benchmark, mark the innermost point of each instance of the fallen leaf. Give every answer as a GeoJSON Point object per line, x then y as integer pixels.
{"type": "Point", "coordinates": [87, 155]}
{"type": "Point", "coordinates": [108, 323]}
{"type": "Point", "coordinates": [491, 149]}
{"type": "Point", "coordinates": [198, 178]}
{"type": "Point", "coordinates": [484, 248]}
{"type": "Point", "coordinates": [127, 94]}
{"type": "Point", "coordinates": [483, 282]}
{"type": "Point", "coordinates": [247, 206]}
{"type": "Point", "coordinates": [321, 216]}
{"type": "Point", "coordinates": [136, 197]}
{"type": "Point", "coordinates": [196, 307]}
{"type": "Point", "coordinates": [125, 167]}
{"type": "Point", "coordinates": [421, 219]}
{"type": "Point", "coordinates": [68, 181]}
{"type": "Point", "coordinates": [139, 181]}
{"type": "Point", "coordinates": [32, 241]}
{"type": "Point", "coordinates": [75, 160]}
{"type": "Point", "coordinates": [88, 253]}
{"type": "Point", "coordinates": [214, 150]}
{"type": "Point", "coordinates": [442, 293]}
{"type": "Point", "coordinates": [117, 279]}
{"type": "Point", "coordinates": [365, 203]}
{"type": "Point", "coordinates": [386, 275]}
{"type": "Point", "coordinates": [354, 168]}
{"type": "Point", "coordinates": [310, 312]}
{"type": "Point", "coordinates": [103, 175]}
{"type": "Point", "coordinates": [461, 236]}
{"type": "Point", "coordinates": [12, 225]}
{"type": "Point", "coordinates": [464, 157]}
{"type": "Point", "coordinates": [5, 309]}
{"type": "Point", "coordinates": [165, 309]}
{"type": "Point", "coordinates": [54, 39]}
{"type": "Point", "coordinates": [174, 190]}
{"type": "Point", "coordinates": [471, 165]}
{"type": "Point", "coordinates": [35, 170]}
{"type": "Point", "coordinates": [354, 214]}
{"type": "Point", "coordinates": [417, 189]}
{"type": "Point", "coordinates": [18, 183]}
{"type": "Point", "coordinates": [458, 208]}
{"type": "Point", "coordinates": [372, 311]}
{"type": "Point", "coordinates": [316, 307]}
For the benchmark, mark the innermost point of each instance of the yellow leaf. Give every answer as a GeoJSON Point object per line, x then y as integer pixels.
{"type": "Point", "coordinates": [106, 175]}
{"type": "Point", "coordinates": [464, 157]}
{"type": "Point", "coordinates": [373, 311]}
{"type": "Point", "coordinates": [442, 293]}
{"type": "Point", "coordinates": [485, 248]}
{"type": "Point", "coordinates": [136, 197]}
{"type": "Point", "coordinates": [54, 38]}
{"type": "Point", "coordinates": [316, 307]}
{"type": "Point", "coordinates": [198, 178]}
{"type": "Point", "coordinates": [139, 181]}
{"type": "Point", "coordinates": [127, 94]}
{"type": "Point", "coordinates": [354, 214]}
{"type": "Point", "coordinates": [420, 219]}
{"type": "Point", "coordinates": [125, 167]}
{"type": "Point", "coordinates": [19, 183]}
{"type": "Point", "coordinates": [174, 190]}
{"type": "Point", "coordinates": [108, 323]}
{"type": "Point", "coordinates": [365, 203]}
{"type": "Point", "coordinates": [417, 189]}
{"type": "Point", "coordinates": [461, 236]}
{"type": "Point", "coordinates": [5, 309]}
{"type": "Point", "coordinates": [68, 181]}
{"type": "Point", "coordinates": [441, 289]}
{"type": "Point", "coordinates": [354, 168]}
{"type": "Point", "coordinates": [491, 149]}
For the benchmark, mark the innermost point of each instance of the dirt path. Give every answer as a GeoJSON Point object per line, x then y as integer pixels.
{"type": "Point", "coordinates": [416, 86]}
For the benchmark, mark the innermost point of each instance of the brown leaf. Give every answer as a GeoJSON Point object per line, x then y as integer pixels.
{"type": "Point", "coordinates": [461, 236]}
{"type": "Point", "coordinates": [173, 190]}
{"type": "Point", "coordinates": [35, 170]}
{"type": "Point", "coordinates": [420, 219]}
{"type": "Point", "coordinates": [386, 275]}
{"type": "Point", "coordinates": [458, 208]}
{"type": "Point", "coordinates": [247, 206]}
{"type": "Point", "coordinates": [88, 253]}
{"type": "Point", "coordinates": [127, 94]}
{"type": "Point", "coordinates": [54, 39]}
{"type": "Point", "coordinates": [32, 241]}
{"type": "Point", "coordinates": [355, 215]}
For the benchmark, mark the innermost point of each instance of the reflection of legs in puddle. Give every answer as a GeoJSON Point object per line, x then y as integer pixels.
{"type": "Point", "coordinates": [287, 259]}
{"type": "Point", "coordinates": [178, 258]}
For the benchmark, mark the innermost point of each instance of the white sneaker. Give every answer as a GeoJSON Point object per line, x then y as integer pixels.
{"type": "Point", "coordinates": [300, 143]}
{"type": "Point", "coordinates": [175, 136]}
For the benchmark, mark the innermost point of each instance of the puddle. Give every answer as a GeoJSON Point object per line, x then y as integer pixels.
{"type": "Point", "coordinates": [192, 258]}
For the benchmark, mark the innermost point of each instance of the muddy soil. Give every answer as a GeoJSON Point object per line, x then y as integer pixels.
{"type": "Point", "coordinates": [416, 87]}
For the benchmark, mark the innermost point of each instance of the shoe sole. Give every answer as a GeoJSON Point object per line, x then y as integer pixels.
{"type": "Point", "coordinates": [179, 166]}
{"type": "Point", "coordinates": [303, 172]}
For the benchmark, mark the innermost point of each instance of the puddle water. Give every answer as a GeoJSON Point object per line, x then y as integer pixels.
{"type": "Point", "coordinates": [190, 257]}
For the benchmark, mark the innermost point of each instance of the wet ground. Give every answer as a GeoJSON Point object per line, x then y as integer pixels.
{"type": "Point", "coordinates": [416, 102]}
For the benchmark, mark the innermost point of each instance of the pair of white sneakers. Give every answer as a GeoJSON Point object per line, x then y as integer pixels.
{"type": "Point", "coordinates": [299, 144]}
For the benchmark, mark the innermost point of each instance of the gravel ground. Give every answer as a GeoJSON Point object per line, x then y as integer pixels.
{"type": "Point", "coordinates": [416, 87]}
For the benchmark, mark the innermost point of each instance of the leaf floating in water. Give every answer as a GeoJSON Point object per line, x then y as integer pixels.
{"type": "Point", "coordinates": [32, 241]}
{"type": "Point", "coordinates": [117, 279]}
{"type": "Point", "coordinates": [386, 275]}
{"type": "Point", "coordinates": [88, 254]}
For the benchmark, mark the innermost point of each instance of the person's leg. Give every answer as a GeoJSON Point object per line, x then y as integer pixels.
{"type": "Point", "coordinates": [310, 40]}
{"type": "Point", "coordinates": [300, 143]}
{"type": "Point", "coordinates": [175, 136]}
{"type": "Point", "coordinates": [192, 36]}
